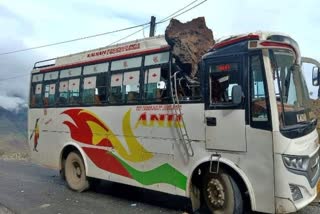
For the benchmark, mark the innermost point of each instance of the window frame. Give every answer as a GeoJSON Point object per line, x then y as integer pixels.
{"type": "Point", "coordinates": [33, 95]}
{"type": "Point", "coordinates": [33, 85]}
{"type": "Point", "coordinates": [105, 74]}
{"type": "Point", "coordinates": [206, 88]}
{"type": "Point", "coordinates": [140, 100]}
{"type": "Point", "coordinates": [50, 82]}
{"type": "Point", "coordinates": [265, 125]}
{"type": "Point", "coordinates": [152, 101]}
{"type": "Point", "coordinates": [122, 71]}
{"type": "Point", "coordinates": [80, 77]}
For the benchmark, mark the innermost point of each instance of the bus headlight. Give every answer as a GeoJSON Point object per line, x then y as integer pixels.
{"type": "Point", "coordinates": [296, 162]}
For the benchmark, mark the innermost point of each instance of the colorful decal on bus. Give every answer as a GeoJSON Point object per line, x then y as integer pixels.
{"type": "Point", "coordinates": [89, 129]}
{"type": "Point", "coordinates": [36, 134]}
{"type": "Point", "coordinates": [159, 120]}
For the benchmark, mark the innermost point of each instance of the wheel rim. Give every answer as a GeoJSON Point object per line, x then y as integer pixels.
{"type": "Point", "coordinates": [77, 172]}
{"type": "Point", "coordinates": [216, 194]}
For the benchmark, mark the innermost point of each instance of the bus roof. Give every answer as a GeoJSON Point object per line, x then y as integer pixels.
{"type": "Point", "coordinates": [259, 35]}
{"type": "Point", "coordinates": [266, 39]}
{"type": "Point", "coordinates": [114, 52]}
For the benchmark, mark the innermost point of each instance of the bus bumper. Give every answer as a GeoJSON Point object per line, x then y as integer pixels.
{"type": "Point", "coordinates": [295, 191]}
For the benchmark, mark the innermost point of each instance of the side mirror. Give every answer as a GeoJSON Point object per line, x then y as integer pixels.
{"type": "Point", "coordinates": [315, 76]}
{"type": "Point", "coordinates": [236, 94]}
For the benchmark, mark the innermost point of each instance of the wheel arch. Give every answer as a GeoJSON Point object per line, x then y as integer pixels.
{"type": "Point", "coordinates": [237, 174]}
{"type": "Point", "coordinates": [69, 147]}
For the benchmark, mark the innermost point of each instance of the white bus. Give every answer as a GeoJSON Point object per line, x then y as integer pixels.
{"type": "Point", "coordinates": [238, 135]}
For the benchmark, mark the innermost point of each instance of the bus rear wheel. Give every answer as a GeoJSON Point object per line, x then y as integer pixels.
{"type": "Point", "coordinates": [221, 194]}
{"type": "Point", "coordinates": [75, 172]}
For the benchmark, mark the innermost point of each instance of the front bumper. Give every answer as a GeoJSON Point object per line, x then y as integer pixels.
{"type": "Point", "coordinates": [290, 183]}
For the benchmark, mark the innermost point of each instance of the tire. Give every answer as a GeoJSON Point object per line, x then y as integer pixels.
{"type": "Point", "coordinates": [62, 170]}
{"type": "Point", "coordinates": [221, 194]}
{"type": "Point", "coordinates": [75, 172]}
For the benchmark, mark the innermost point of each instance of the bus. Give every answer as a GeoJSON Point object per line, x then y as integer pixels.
{"type": "Point", "coordinates": [238, 135]}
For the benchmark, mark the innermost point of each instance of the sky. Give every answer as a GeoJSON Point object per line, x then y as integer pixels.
{"type": "Point", "coordinates": [31, 23]}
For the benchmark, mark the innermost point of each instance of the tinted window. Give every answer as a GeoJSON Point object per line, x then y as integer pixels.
{"type": "Point", "coordinates": [69, 92]}
{"type": "Point", "coordinates": [223, 76]}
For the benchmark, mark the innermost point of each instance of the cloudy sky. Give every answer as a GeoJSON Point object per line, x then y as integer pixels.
{"type": "Point", "coordinates": [30, 23]}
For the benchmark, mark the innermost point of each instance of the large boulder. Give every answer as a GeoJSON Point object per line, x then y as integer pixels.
{"type": "Point", "coordinates": [190, 41]}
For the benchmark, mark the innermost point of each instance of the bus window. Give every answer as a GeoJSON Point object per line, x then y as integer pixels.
{"type": "Point", "coordinates": [37, 78]}
{"type": "Point", "coordinates": [95, 69]}
{"type": "Point", "coordinates": [223, 77]}
{"type": "Point", "coordinates": [125, 87]}
{"type": "Point", "coordinates": [258, 95]}
{"type": "Point", "coordinates": [74, 95]}
{"type": "Point", "coordinates": [51, 76]}
{"type": "Point", "coordinates": [94, 90]}
{"type": "Point", "coordinates": [156, 88]}
{"type": "Point", "coordinates": [116, 88]}
{"type": "Point", "coordinates": [151, 80]}
{"type": "Point", "coordinates": [52, 92]}
{"type": "Point", "coordinates": [89, 86]}
{"type": "Point", "coordinates": [155, 59]}
{"type": "Point", "coordinates": [126, 63]}
{"type": "Point", "coordinates": [36, 99]}
{"type": "Point", "coordinates": [46, 95]}
{"type": "Point", "coordinates": [101, 89]}
{"type": "Point", "coordinates": [36, 90]}
{"type": "Point", "coordinates": [131, 85]}
{"type": "Point", "coordinates": [50, 88]}
{"type": "Point", "coordinates": [72, 72]}
{"type": "Point", "coordinates": [69, 92]}
{"type": "Point", "coordinates": [63, 92]}
{"type": "Point", "coordinates": [94, 87]}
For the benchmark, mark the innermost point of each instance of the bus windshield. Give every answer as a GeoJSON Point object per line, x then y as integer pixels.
{"type": "Point", "coordinates": [290, 87]}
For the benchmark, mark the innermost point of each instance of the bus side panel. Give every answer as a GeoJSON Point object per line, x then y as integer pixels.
{"type": "Point", "coordinates": [44, 142]}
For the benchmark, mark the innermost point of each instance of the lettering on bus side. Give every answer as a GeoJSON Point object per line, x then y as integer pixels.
{"type": "Point", "coordinates": [159, 120]}
{"type": "Point", "coordinates": [115, 50]}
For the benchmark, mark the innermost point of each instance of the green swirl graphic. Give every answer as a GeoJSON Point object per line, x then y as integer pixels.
{"type": "Point", "coordinates": [162, 174]}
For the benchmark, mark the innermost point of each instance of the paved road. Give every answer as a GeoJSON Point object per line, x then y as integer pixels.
{"type": "Point", "coordinates": [28, 188]}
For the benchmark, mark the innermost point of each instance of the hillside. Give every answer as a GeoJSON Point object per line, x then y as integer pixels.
{"type": "Point", "coordinates": [13, 132]}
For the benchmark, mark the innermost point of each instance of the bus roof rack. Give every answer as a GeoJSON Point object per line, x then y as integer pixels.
{"type": "Point", "coordinates": [45, 63]}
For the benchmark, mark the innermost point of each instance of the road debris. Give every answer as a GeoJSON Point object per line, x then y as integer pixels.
{"type": "Point", "coordinates": [44, 205]}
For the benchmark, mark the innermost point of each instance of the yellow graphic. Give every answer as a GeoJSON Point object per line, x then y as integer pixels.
{"type": "Point", "coordinates": [97, 132]}
{"type": "Point", "coordinates": [101, 132]}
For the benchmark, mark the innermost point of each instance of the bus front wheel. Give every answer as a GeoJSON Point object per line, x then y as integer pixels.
{"type": "Point", "coordinates": [221, 194]}
{"type": "Point", "coordinates": [75, 172]}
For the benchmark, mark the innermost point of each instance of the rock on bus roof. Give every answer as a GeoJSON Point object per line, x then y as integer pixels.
{"type": "Point", "coordinates": [118, 51]}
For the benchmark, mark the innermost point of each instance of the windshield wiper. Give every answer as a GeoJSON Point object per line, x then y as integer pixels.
{"type": "Point", "coordinates": [299, 129]}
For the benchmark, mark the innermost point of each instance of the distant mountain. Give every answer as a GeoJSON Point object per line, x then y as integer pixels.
{"type": "Point", "coordinates": [13, 131]}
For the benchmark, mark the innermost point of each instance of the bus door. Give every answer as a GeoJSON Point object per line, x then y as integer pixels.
{"type": "Point", "coordinates": [225, 121]}
{"type": "Point", "coordinates": [239, 119]}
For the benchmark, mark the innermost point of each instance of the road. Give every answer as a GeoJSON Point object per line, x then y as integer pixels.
{"type": "Point", "coordinates": [28, 188]}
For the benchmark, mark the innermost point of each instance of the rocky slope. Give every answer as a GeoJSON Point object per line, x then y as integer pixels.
{"type": "Point", "coordinates": [13, 132]}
